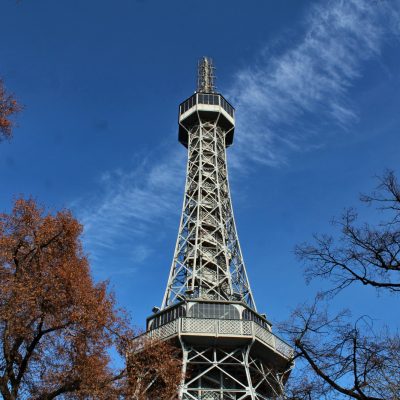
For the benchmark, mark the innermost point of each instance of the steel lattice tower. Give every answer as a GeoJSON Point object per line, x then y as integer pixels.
{"type": "Point", "coordinates": [228, 349]}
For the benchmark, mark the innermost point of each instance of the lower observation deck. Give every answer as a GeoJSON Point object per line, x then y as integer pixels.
{"type": "Point", "coordinates": [225, 332]}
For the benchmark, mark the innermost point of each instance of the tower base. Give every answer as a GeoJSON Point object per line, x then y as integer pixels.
{"type": "Point", "coordinates": [232, 359]}
{"type": "Point", "coordinates": [228, 373]}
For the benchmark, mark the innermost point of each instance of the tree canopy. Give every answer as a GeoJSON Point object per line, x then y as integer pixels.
{"type": "Point", "coordinates": [8, 107]}
{"type": "Point", "coordinates": [57, 326]}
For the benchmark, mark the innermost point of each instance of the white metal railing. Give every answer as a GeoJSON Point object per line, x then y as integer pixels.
{"type": "Point", "coordinates": [222, 327]}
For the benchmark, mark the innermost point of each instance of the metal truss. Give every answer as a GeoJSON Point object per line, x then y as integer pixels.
{"type": "Point", "coordinates": [207, 262]}
{"type": "Point", "coordinates": [229, 351]}
{"type": "Point", "coordinates": [217, 373]}
{"type": "Point", "coordinates": [205, 76]}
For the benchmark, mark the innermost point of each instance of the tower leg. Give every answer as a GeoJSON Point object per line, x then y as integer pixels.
{"type": "Point", "coordinates": [223, 373]}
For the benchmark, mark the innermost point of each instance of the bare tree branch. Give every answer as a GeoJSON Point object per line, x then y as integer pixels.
{"type": "Point", "coordinates": [342, 359]}
{"type": "Point", "coordinates": [362, 253]}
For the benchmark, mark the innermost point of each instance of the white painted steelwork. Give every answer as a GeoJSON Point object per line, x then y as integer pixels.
{"type": "Point", "coordinates": [238, 329]}
{"type": "Point", "coordinates": [228, 348]}
{"type": "Point", "coordinates": [220, 373]}
{"type": "Point", "coordinates": [208, 262]}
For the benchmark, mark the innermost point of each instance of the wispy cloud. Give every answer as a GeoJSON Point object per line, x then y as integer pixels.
{"type": "Point", "coordinates": [131, 203]}
{"type": "Point", "coordinates": [310, 76]}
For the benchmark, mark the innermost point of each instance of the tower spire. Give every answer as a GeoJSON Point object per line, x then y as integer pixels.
{"type": "Point", "coordinates": [205, 75]}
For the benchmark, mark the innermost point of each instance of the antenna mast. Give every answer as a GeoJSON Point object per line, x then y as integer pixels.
{"type": "Point", "coordinates": [205, 76]}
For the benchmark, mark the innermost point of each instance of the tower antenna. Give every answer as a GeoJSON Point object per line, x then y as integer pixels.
{"type": "Point", "coordinates": [206, 76]}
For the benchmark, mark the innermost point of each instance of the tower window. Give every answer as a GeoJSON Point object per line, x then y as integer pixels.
{"type": "Point", "coordinates": [214, 310]}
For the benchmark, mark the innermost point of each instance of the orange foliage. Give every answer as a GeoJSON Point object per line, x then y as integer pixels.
{"type": "Point", "coordinates": [8, 107]}
{"type": "Point", "coordinates": [154, 370]}
{"type": "Point", "coordinates": [56, 324]}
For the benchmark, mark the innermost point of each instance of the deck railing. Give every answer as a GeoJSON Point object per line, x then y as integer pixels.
{"type": "Point", "coordinates": [222, 327]}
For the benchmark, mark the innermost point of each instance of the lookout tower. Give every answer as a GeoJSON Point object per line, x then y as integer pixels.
{"type": "Point", "coordinates": [208, 309]}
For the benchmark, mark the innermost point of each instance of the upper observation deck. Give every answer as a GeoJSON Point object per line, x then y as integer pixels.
{"type": "Point", "coordinates": [206, 107]}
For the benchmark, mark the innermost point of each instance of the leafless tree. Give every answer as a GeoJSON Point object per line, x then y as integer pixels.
{"type": "Point", "coordinates": [340, 360]}
{"type": "Point", "coordinates": [364, 253]}
{"type": "Point", "coordinates": [337, 358]}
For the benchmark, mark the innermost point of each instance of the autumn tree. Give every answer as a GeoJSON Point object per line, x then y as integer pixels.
{"type": "Point", "coordinates": [154, 369]}
{"type": "Point", "coordinates": [8, 107]}
{"type": "Point", "coordinates": [339, 358]}
{"type": "Point", "coordinates": [56, 325]}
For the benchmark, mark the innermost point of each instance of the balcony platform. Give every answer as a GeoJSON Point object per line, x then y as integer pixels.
{"type": "Point", "coordinates": [226, 332]}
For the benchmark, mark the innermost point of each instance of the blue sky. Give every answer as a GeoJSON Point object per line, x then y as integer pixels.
{"type": "Point", "coordinates": [316, 88]}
